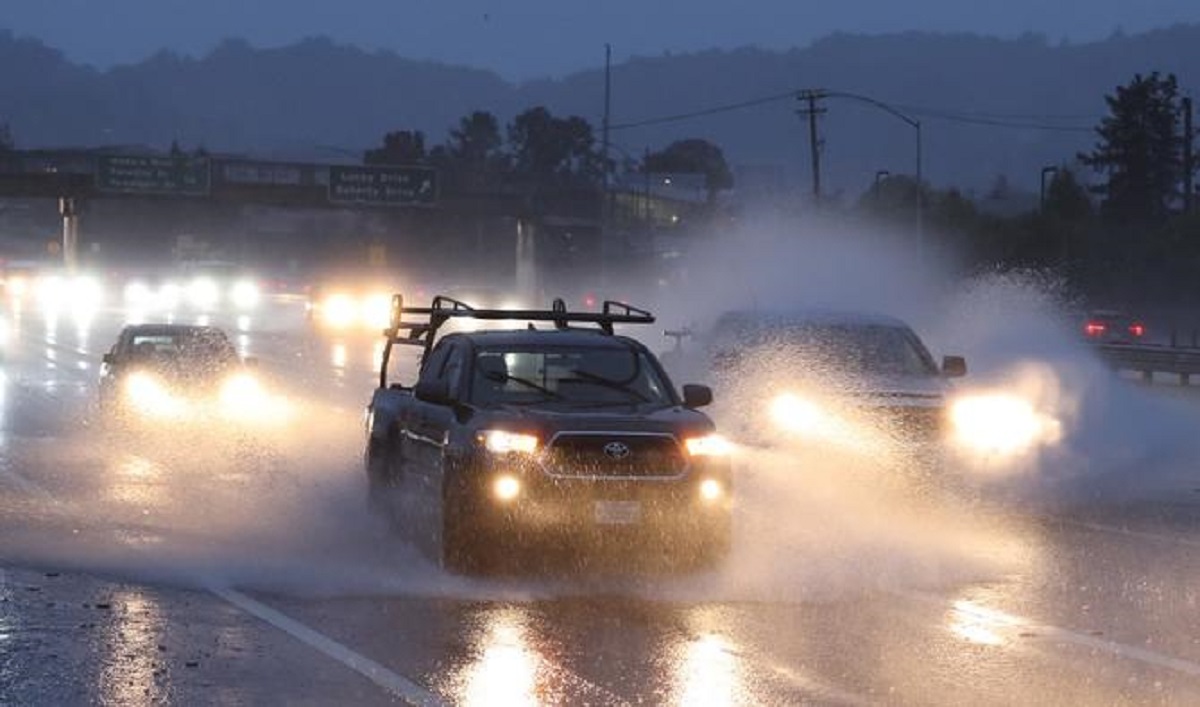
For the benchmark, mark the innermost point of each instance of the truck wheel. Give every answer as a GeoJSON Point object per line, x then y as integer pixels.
{"type": "Point", "coordinates": [464, 550]}
{"type": "Point", "coordinates": [382, 461]}
{"type": "Point", "coordinates": [460, 543]}
{"type": "Point", "coordinates": [381, 464]}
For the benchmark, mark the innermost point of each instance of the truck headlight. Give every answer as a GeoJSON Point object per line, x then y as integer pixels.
{"type": "Point", "coordinates": [711, 445]}
{"type": "Point", "coordinates": [504, 442]}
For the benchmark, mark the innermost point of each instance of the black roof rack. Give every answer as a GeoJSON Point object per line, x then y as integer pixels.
{"type": "Point", "coordinates": [442, 309]}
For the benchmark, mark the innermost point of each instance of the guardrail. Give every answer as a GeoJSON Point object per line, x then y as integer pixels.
{"type": "Point", "coordinates": [1150, 359]}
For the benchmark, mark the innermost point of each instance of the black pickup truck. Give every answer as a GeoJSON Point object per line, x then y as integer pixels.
{"type": "Point", "coordinates": [549, 428]}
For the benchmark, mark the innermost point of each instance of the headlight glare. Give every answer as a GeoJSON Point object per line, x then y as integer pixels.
{"type": "Point", "coordinates": [1000, 424]}
{"type": "Point", "coordinates": [149, 396]}
{"type": "Point", "coordinates": [245, 295]}
{"type": "Point", "coordinates": [504, 442]}
{"type": "Point", "coordinates": [506, 487]}
{"type": "Point", "coordinates": [710, 490]}
{"type": "Point", "coordinates": [339, 311]}
{"type": "Point", "coordinates": [712, 445]}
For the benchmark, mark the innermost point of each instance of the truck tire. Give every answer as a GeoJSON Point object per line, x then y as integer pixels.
{"type": "Point", "coordinates": [462, 550]}
{"type": "Point", "coordinates": [383, 460]}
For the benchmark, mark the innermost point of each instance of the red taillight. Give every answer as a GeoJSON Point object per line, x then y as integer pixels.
{"type": "Point", "coordinates": [1137, 329]}
{"type": "Point", "coordinates": [589, 301]}
{"type": "Point", "coordinates": [1095, 328]}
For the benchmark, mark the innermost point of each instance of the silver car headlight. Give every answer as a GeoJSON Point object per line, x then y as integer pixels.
{"type": "Point", "coordinates": [999, 424]}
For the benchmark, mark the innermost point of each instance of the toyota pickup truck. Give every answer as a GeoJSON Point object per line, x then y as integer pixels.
{"type": "Point", "coordinates": [542, 426]}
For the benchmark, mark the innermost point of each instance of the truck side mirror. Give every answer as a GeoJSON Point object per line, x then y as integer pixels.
{"type": "Point", "coordinates": [954, 366]}
{"type": "Point", "coordinates": [696, 396]}
{"type": "Point", "coordinates": [435, 392]}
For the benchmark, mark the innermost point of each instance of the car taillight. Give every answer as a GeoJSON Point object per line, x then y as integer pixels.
{"type": "Point", "coordinates": [1094, 328]}
{"type": "Point", "coordinates": [1137, 329]}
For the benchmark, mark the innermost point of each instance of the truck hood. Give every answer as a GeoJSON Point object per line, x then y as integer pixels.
{"type": "Point", "coordinates": [676, 420]}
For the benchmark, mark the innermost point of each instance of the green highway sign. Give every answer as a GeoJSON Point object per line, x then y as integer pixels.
{"type": "Point", "coordinates": [153, 174]}
{"type": "Point", "coordinates": [382, 186]}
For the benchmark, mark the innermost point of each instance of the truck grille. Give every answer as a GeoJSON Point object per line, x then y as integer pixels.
{"type": "Point", "coordinates": [616, 454]}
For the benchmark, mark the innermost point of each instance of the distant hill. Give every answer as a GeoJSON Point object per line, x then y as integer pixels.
{"type": "Point", "coordinates": [987, 106]}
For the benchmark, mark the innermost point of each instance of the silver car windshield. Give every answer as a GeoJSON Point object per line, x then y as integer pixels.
{"type": "Point", "coordinates": [857, 349]}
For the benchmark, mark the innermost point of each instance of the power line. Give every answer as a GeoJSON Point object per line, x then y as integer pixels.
{"type": "Point", "coordinates": [996, 120]}
{"type": "Point", "coordinates": [706, 111]}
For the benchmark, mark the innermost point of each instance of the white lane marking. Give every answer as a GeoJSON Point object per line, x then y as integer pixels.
{"type": "Point", "coordinates": [1140, 534]}
{"type": "Point", "coordinates": [393, 682]}
{"type": "Point", "coordinates": [1121, 650]}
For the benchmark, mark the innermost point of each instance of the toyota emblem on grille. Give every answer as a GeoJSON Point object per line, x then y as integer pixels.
{"type": "Point", "coordinates": [617, 450]}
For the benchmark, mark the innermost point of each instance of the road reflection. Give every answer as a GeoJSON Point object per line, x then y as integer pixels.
{"type": "Point", "coordinates": [132, 672]}
{"type": "Point", "coordinates": [138, 481]}
{"type": "Point", "coordinates": [506, 667]}
{"type": "Point", "coordinates": [708, 673]}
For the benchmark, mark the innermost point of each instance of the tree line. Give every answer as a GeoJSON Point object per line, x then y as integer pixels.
{"type": "Point", "coordinates": [1129, 237]}
{"type": "Point", "coordinates": [539, 149]}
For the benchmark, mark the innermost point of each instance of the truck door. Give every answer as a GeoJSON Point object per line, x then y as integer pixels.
{"type": "Point", "coordinates": [429, 424]}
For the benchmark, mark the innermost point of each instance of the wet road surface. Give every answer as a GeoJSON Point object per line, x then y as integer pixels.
{"type": "Point", "coordinates": [193, 567]}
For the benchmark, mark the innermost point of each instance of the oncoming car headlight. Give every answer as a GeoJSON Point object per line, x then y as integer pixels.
{"type": "Point", "coordinates": [795, 414]}
{"type": "Point", "coordinates": [149, 396]}
{"type": "Point", "coordinates": [1000, 424]}
{"type": "Point", "coordinates": [504, 442]}
{"type": "Point", "coordinates": [711, 445]}
{"type": "Point", "coordinates": [245, 295]}
{"type": "Point", "coordinates": [203, 293]}
{"type": "Point", "coordinates": [339, 311]}
{"type": "Point", "coordinates": [242, 394]}
{"type": "Point", "coordinates": [377, 311]}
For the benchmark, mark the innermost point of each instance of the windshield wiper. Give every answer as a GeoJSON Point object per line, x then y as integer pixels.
{"type": "Point", "coordinates": [504, 378]}
{"type": "Point", "coordinates": [589, 377]}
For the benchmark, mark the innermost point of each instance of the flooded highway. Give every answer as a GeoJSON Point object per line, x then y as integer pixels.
{"type": "Point", "coordinates": [189, 565]}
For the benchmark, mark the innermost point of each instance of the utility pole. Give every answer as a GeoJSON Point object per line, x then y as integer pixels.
{"type": "Point", "coordinates": [1189, 165]}
{"type": "Point", "coordinates": [812, 112]}
{"type": "Point", "coordinates": [604, 205]}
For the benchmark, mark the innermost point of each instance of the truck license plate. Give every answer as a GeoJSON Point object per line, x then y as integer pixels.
{"type": "Point", "coordinates": [618, 512]}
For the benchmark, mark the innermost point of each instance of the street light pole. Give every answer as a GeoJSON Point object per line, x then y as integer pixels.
{"type": "Point", "coordinates": [920, 196]}
{"type": "Point", "coordinates": [1050, 169]}
{"type": "Point", "coordinates": [915, 125]}
{"type": "Point", "coordinates": [880, 175]}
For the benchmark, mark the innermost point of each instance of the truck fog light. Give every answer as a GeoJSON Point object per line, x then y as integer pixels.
{"type": "Point", "coordinates": [506, 487]}
{"type": "Point", "coordinates": [710, 489]}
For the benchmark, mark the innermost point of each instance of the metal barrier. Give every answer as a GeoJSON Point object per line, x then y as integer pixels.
{"type": "Point", "coordinates": [1149, 359]}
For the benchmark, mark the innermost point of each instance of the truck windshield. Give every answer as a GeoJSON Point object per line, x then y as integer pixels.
{"type": "Point", "coordinates": [566, 375]}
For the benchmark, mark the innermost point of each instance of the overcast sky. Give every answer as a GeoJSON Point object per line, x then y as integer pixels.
{"type": "Point", "coordinates": [524, 39]}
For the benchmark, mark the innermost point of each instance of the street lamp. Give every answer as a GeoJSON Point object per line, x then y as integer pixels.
{"type": "Point", "coordinates": [1042, 194]}
{"type": "Point", "coordinates": [916, 126]}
